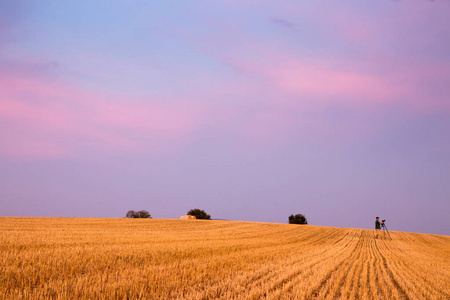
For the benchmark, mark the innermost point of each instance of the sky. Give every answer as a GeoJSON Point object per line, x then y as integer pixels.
{"type": "Point", "coordinates": [249, 110]}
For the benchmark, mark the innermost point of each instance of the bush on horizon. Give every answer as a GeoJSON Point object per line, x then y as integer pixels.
{"type": "Point", "coordinates": [143, 214]}
{"type": "Point", "coordinates": [199, 214]}
{"type": "Point", "coordinates": [298, 219]}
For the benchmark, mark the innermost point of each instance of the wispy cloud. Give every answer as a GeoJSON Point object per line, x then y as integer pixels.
{"type": "Point", "coordinates": [283, 23]}
{"type": "Point", "coordinates": [41, 116]}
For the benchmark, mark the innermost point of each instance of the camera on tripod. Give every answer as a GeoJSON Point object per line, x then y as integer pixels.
{"type": "Point", "coordinates": [384, 228]}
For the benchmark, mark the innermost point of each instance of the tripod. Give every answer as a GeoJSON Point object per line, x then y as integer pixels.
{"type": "Point", "coordinates": [384, 228]}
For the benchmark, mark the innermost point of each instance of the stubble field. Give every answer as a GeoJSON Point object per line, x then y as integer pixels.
{"type": "Point", "coordinates": [62, 258]}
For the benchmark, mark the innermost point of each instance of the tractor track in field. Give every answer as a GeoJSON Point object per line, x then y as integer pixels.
{"type": "Point", "coordinates": [371, 271]}
{"type": "Point", "coordinates": [390, 273]}
{"type": "Point", "coordinates": [286, 282]}
{"type": "Point", "coordinates": [348, 265]}
{"type": "Point", "coordinates": [324, 284]}
{"type": "Point", "coordinates": [307, 269]}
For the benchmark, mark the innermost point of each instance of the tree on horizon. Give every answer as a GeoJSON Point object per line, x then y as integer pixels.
{"type": "Point", "coordinates": [199, 214]}
{"type": "Point", "coordinates": [142, 214]}
{"type": "Point", "coordinates": [298, 219]}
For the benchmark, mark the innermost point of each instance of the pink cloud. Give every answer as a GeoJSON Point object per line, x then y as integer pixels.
{"type": "Point", "coordinates": [292, 82]}
{"type": "Point", "coordinates": [373, 81]}
{"type": "Point", "coordinates": [294, 93]}
{"type": "Point", "coordinates": [326, 83]}
{"type": "Point", "coordinates": [43, 117]}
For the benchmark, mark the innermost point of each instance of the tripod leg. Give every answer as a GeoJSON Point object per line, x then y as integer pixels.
{"type": "Point", "coordinates": [388, 232]}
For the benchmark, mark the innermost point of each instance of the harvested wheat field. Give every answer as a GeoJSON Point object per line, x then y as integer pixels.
{"type": "Point", "coordinates": [62, 258]}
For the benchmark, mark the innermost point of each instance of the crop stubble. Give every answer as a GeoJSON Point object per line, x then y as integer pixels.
{"type": "Point", "coordinates": [60, 258]}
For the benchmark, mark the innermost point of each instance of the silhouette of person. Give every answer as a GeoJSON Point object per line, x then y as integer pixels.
{"type": "Point", "coordinates": [377, 227]}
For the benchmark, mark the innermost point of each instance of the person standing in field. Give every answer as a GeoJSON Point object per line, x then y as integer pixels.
{"type": "Point", "coordinates": [377, 227]}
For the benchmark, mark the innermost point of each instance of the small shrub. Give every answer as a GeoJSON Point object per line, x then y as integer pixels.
{"type": "Point", "coordinates": [138, 214]}
{"type": "Point", "coordinates": [298, 219]}
{"type": "Point", "coordinates": [199, 214]}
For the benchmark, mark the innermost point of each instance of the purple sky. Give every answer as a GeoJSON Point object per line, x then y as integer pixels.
{"type": "Point", "coordinates": [250, 110]}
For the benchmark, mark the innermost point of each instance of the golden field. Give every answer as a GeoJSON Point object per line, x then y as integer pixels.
{"type": "Point", "coordinates": [64, 258]}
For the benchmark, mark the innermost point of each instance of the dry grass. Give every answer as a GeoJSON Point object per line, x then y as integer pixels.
{"type": "Point", "coordinates": [61, 258]}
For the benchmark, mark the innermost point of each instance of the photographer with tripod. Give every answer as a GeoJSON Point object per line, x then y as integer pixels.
{"type": "Point", "coordinates": [379, 225]}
